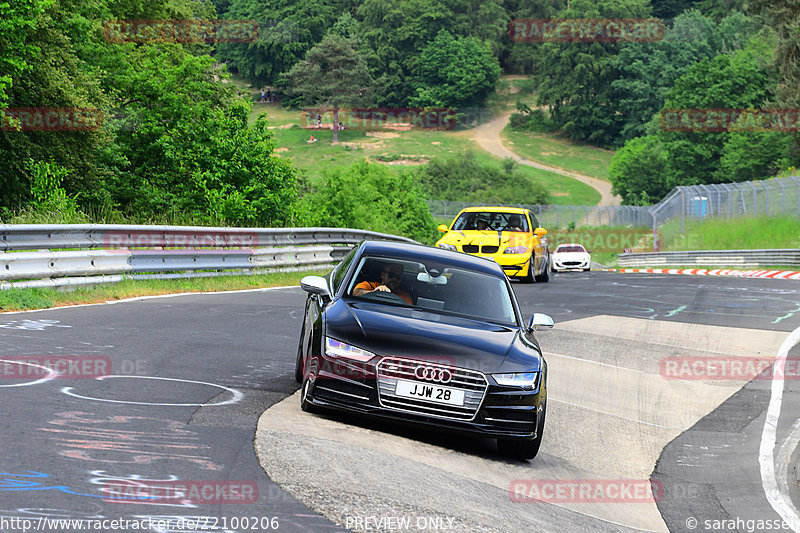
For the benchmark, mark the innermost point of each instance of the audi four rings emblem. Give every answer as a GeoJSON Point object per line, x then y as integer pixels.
{"type": "Point", "coordinates": [431, 373]}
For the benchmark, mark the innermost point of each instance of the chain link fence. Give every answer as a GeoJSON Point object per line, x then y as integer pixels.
{"type": "Point", "coordinates": [678, 211]}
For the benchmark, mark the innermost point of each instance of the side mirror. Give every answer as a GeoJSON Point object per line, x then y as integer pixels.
{"type": "Point", "coordinates": [540, 320]}
{"type": "Point", "coordinates": [315, 285]}
{"type": "Point", "coordinates": [540, 232]}
{"type": "Point", "coordinates": [442, 228]}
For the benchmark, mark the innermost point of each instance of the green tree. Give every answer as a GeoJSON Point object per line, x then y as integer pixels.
{"type": "Point", "coordinates": [523, 57]}
{"type": "Point", "coordinates": [18, 21]}
{"type": "Point", "coordinates": [639, 172]}
{"type": "Point", "coordinates": [668, 9]}
{"type": "Point", "coordinates": [454, 72]}
{"type": "Point", "coordinates": [369, 196]}
{"type": "Point", "coordinates": [332, 74]}
{"type": "Point", "coordinates": [394, 34]}
{"type": "Point", "coordinates": [55, 76]}
{"type": "Point", "coordinates": [287, 30]}
{"type": "Point", "coordinates": [574, 78]}
{"type": "Point", "coordinates": [463, 177]}
{"type": "Point", "coordinates": [185, 147]}
{"type": "Point", "coordinates": [752, 155]}
{"type": "Point", "coordinates": [737, 81]}
{"type": "Point", "coordinates": [647, 71]}
{"type": "Point", "coordinates": [784, 17]}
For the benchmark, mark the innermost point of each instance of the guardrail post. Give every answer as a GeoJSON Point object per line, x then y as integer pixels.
{"type": "Point", "coordinates": [655, 230]}
{"type": "Point", "coordinates": [683, 210]}
{"type": "Point", "coordinates": [796, 182]}
{"type": "Point", "coordinates": [755, 198]}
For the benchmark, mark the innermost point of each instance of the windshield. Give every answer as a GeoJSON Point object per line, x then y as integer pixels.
{"type": "Point", "coordinates": [433, 287]}
{"type": "Point", "coordinates": [570, 248]}
{"type": "Point", "coordinates": [489, 221]}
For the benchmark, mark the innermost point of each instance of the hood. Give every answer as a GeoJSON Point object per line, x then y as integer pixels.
{"type": "Point", "coordinates": [415, 334]}
{"type": "Point", "coordinates": [487, 237]}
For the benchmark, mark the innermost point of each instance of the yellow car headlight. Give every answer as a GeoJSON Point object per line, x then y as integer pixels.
{"type": "Point", "coordinates": [516, 250]}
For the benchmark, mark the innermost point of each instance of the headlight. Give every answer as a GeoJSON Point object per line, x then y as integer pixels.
{"type": "Point", "coordinates": [335, 348]}
{"type": "Point", "coordinates": [516, 250]}
{"type": "Point", "coordinates": [448, 247]}
{"type": "Point", "coordinates": [521, 379]}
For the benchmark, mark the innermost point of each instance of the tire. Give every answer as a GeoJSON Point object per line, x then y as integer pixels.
{"type": "Point", "coordinates": [524, 449]}
{"type": "Point", "coordinates": [528, 278]}
{"type": "Point", "coordinates": [305, 404]}
{"type": "Point", "coordinates": [544, 277]}
{"type": "Point", "coordinates": [298, 365]}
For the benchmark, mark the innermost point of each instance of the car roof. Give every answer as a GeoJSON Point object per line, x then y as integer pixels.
{"type": "Point", "coordinates": [422, 253]}
{"type": "Point", "coordinates": [494, 209]}
{"type": "Point", "coordinates": [570, 244]}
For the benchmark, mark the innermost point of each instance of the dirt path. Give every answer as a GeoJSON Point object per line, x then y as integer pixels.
{"type": "Point", "coordinates": [488, 137]}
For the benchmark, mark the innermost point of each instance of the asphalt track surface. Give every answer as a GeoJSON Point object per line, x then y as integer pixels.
{"type": "Point", "coordinates": [189, 377]}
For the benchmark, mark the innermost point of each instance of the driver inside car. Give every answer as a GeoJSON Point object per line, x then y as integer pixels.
{"type": "Point", "coordinates": [515, 223]}
{"type": "Point", "coordinates": [391, 281]}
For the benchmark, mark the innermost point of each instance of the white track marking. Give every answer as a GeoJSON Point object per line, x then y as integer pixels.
{"type": "Point", "coordinates": [589, 361]}
{"type": "Point", "coordinates": [766, 457]}
{"type": "Point", "coordinates": [236, 395]}
{"type": "Point", "coordinates": [51, 374]}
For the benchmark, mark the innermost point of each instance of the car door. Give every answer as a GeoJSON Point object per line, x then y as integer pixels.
{"type": "Point", "coordinates": [538, 243]}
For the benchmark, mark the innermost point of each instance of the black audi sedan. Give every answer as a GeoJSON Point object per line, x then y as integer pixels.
{"type": "Point", "coordinates": [428, 336]}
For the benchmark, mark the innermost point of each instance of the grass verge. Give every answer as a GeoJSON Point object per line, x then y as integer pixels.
{"type": "Point", "coordinates": [744, 233]}
{"type": "Point", "coordinates": [25, 299]}
{"type": "Point", "coordinates": [551, 150]}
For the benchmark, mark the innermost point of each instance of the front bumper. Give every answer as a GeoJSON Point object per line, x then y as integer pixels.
{"type": "Point", "coordinates": [502, 412]}
{"type": "Point", "coordinates": [567, 264]}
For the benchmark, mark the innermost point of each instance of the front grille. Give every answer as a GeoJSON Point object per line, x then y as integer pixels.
{"type": "Point", "coordinates": [471, 382]}
{"type": "Point", "coordinates": [490, 249]}
{"type": "Point", "coordinates": [470, 248]}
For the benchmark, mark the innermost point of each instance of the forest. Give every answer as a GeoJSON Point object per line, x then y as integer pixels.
{"type": "Point", "coordinates": [102, 123]}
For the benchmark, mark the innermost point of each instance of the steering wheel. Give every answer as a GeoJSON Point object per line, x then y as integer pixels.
{"type": "Point", "coordinates": [383, 295]}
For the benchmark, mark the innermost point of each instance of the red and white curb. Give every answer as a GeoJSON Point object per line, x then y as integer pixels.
{"type": "Point", "coordinates": [772, 274]}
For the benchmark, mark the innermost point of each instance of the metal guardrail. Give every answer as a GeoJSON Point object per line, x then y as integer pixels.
{"type": "Point", "coordinates": [103, 253]}
{"type": "Point", "coordinates": [728, 258]}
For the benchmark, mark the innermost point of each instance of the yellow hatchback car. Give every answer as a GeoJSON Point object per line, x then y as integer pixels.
{"type": "Point", "coordinates": [511, 236]}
